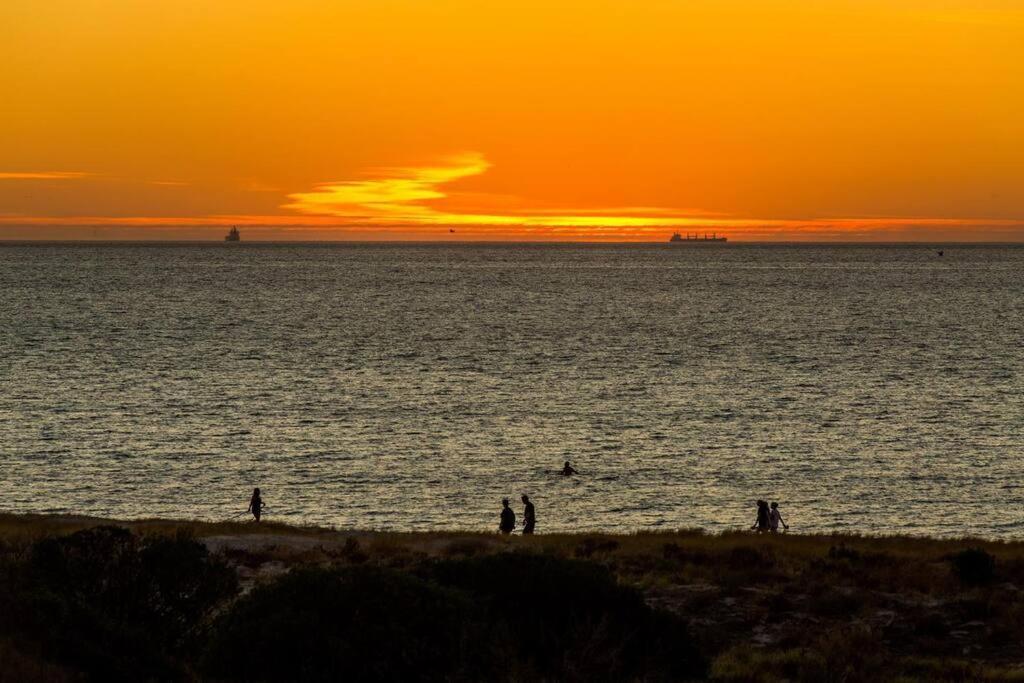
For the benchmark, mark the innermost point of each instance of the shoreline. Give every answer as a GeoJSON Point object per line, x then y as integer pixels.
{"type": "Point", "coordinates": [32, 524]}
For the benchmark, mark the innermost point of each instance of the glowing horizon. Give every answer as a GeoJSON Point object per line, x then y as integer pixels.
{"type": "Point", "coordinates": [762, 120]}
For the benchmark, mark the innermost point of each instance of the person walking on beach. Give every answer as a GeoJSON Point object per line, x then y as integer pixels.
{"type": "Point", "coordinates": [529, 516]}
{"type": "Point", "coordinates": [763, 522]}
{"type": "Point", "coordinates": [567, 470]}
{"type": "Point", "coordinates": [256, 504]}
{"type": "Point", "coordinates": [775, 518]}
{"type": "Point", "coordinates": [508, 518]}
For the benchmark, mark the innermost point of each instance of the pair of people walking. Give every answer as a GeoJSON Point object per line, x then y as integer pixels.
{"type": "Point", "coordinates": [508, 517]}
{"type": "Point", "coordinates": [768, 518]}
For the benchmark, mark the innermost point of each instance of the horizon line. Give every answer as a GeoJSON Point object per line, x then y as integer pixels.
{"type": "Point", "coordinates": [496, 241]}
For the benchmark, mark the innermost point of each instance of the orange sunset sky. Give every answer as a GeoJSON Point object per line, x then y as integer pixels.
{"type": "Point", "coordinates": [888, 120]}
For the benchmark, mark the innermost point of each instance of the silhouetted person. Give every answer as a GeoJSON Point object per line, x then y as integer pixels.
{"type": "Point", "coordinates": [939, 252]}
{"type": "Point", "coordinates": [567, 469]}
{"type": "Point", "coordinates": [529, 516]}
{"type": "Point", "coordinates": [508, 518]}
{"type": "Point", "coordinates": [256, 504]}
{"type": "Point", "coordinates": [763, 522]}
{"type": "Point", "coordinates": [775, 519]}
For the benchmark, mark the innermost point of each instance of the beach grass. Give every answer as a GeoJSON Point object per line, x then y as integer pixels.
{"type": "Point", "coordinates": [753, 607]}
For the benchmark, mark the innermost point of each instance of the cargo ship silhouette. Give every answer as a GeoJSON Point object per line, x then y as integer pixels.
{"type": "Point", "coordinates": [696, 239]}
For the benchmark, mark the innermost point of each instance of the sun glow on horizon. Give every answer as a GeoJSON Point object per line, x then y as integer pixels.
{"type": "Point", "coordinates": [763, 119]}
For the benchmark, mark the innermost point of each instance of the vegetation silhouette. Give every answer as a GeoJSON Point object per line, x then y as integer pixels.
{"type": "Point", "coordinates": [974, 566]}
{"type": "Point", "coordinates": [546, 618]}
{"type": "Point", "coordinates": [357, 623]}
{"type": "Point", "coordinates": [503, 618]}
{"type": "Point", "coordinates": [107, 602]}
{"type": "Point", "coordinates": [116, 605]}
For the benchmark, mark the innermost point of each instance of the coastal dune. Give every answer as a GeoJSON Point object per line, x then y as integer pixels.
{"type": "Point", "coordinates": [734, 606]}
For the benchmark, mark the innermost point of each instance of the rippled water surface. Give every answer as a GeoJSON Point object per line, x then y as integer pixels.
{"type": "Point", "coordinates": [411, 387]}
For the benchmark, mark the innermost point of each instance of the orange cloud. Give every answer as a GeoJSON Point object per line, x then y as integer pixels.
{"type": "Point", "coordinates": [401, 195]}
{"type": "Point", "coordinates": [396, 196]}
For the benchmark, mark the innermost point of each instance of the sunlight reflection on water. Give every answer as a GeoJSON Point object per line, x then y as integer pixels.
{"type": "Point", "coordinates": [876, 389]}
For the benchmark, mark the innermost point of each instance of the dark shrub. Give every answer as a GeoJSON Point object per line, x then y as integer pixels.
{"type": "Point", "coordinates": [466, 547]}
{"type": "Point", "coordinates": [505, 617]}
{"type": "Point", "coordinates": [161, 584]}
{"type": "Point", "coordinates": [547, 618]}
{"type": "Point", "coordinates": [672, 551]}
{"type": "Point", "coordinates": [745, 557]}
{"type": "Point", "coordinates": [931, 624]}
{"type": "Point", "coordinates": [111, 605]}
{"type": "Point", "coordinates": [87, 564]}
{"type": "Point", "coordinates": [778, 604]}
{"type": "Point", "coordinates": [841, 552]}
{"type": "Point", "coordinates": [353, 551]}
{"type": "Point", "coordinates": [179, 583]}
{"type": "Point", "coordinates": [23, 667]}
{"type": "Point", "coordinates": [358, 624]}
{"type": "Point", "coordinates": [974, 566]}
{"type": "Point", "coordinates": [849, 653]}
{"type": "Point", "coordinates": [843, 655]}
{"type": "Point", "coordinates": [589, 546]}
{"type": "Point", "coordinates": [836, 603]}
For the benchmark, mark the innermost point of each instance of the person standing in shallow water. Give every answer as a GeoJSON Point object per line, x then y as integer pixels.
{"type": "Point", "coordinates": [256, 504]}
{"type": "Point", "coordinates": [508, 518]}
{"type": "Point", "coordinates": [567, 470]}
{"type": "Point", "coordinates": [529, 516]}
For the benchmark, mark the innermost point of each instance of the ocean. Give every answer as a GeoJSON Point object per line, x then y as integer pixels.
{"type": "Point", "coordinates": [866, 388]}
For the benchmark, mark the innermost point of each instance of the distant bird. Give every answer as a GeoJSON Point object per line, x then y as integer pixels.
{"type": "Point", "coordinates": [939, 252]}
{"type": "Point", "coordinates": [451, 229]}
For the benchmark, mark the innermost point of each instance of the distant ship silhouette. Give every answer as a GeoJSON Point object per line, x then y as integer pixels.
{"type": "Point", "coordinates": [233, 236]}
{"type": "Point", "coordinates": [677, 238]}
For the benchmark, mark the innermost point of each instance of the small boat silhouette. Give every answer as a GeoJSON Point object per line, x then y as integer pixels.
{"type": "Point", "coordinates": [233, 236]}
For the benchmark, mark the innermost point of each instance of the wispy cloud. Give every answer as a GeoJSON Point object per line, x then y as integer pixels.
{"type": "Point", "coordinates": [42, 175]}
{"type": "Point", "coordinates": [397, 193]}
{"type": "Point", "coordinates": [403, 196]}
